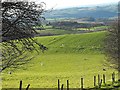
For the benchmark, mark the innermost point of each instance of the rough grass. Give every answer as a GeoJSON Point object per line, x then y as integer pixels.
{"type": "Point", "coordinates": [68, 57]}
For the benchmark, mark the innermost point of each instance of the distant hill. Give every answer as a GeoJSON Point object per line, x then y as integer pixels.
{"type": "Point", "coordinates": [103, 11]}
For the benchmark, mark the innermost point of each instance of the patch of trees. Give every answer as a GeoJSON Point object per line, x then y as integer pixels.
{"type": "Point", "coordinates": [71, 25]}
{"type": "Point", "coordinates": [67, 25]}
{"type": "Point", "coordinates": [87, 19]}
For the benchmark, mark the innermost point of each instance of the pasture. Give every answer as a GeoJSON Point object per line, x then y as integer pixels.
{"type": "Point", "coordinates": [49, 30]}
{"type": "Point", "coordinates": [69, 56]}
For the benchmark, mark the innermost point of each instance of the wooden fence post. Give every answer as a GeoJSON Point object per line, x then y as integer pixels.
{"type": "Point", "coordinates": [67, 84]}
{"type": "Point", "coordinates": [62, 86]}
{"type": "Point", "coordinates": [113, 77]}
{"type": "Point", "coordinates": [100, 83]}
{"type": "Point", "coordinates": [28, 87]}
{"type": "Point", "coordinates": [98, 79]}
{"type": "Point", "coordinates": [81, 83]}
{"type": "Point", "coordinates": [20, 88]}
{"type": "Point", "coordinates": [58, 84]}
{"type": "Point", "coordinates": [94, 80]}
{"type": "Point", "coordinates": [104, 78]}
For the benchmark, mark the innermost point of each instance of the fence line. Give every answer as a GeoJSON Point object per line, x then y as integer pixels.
{"type": "Point", "coordinates": [96, 85]}
{"type": "Point", "coordinates": [99, 79]}
{"type": "Point", "coordinates": [20, 88]}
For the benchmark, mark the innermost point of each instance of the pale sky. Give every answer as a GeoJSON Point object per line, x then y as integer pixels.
{"type": "Point", "coordinates": [56, 4]}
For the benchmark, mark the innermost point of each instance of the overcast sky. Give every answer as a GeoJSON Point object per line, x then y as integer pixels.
{"type": "Point", "coordinates": [56, 4]}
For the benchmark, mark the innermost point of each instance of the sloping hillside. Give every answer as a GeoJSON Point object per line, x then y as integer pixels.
{"type": "Point", "coordinates": [104, 11]}
{"type": "Point", "coordinates": [74, 43]}
{"type": "Point", "coordinates": [69, 57]}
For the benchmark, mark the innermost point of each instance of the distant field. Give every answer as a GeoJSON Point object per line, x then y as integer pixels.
{"type": "Point", "coordinates": [68, 57]}
{"type": "Point", "coordinates": [56, 31]}
{"type": "Point", "coordinates": [49, 30]}
{"type": "Point", "coordinates": [94, 28]}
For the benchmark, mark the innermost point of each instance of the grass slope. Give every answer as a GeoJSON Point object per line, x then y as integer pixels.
{"type": "Point", "coordinates": [64, 60]}
{"type": "Point", "coordinates": [74, 43]}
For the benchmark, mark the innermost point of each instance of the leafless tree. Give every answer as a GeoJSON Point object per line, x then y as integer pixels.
{"type": "Point", "coordinates": [112, 44]}
{"type": "Point", "coordinates": [18, 32]}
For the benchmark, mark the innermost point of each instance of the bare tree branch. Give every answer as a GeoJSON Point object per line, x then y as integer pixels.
{"type": "Point", "coordinates": [18, 21]}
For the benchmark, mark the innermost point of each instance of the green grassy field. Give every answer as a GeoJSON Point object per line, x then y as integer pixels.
{"type": "Point", "coordinates": [68, 57]}
{"type": "Point", "coordinates": [50, 30]}
{"type": "Point", "coordinates": [74, 43]}
{"type": "Point", "coordinates": [56, 31]}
